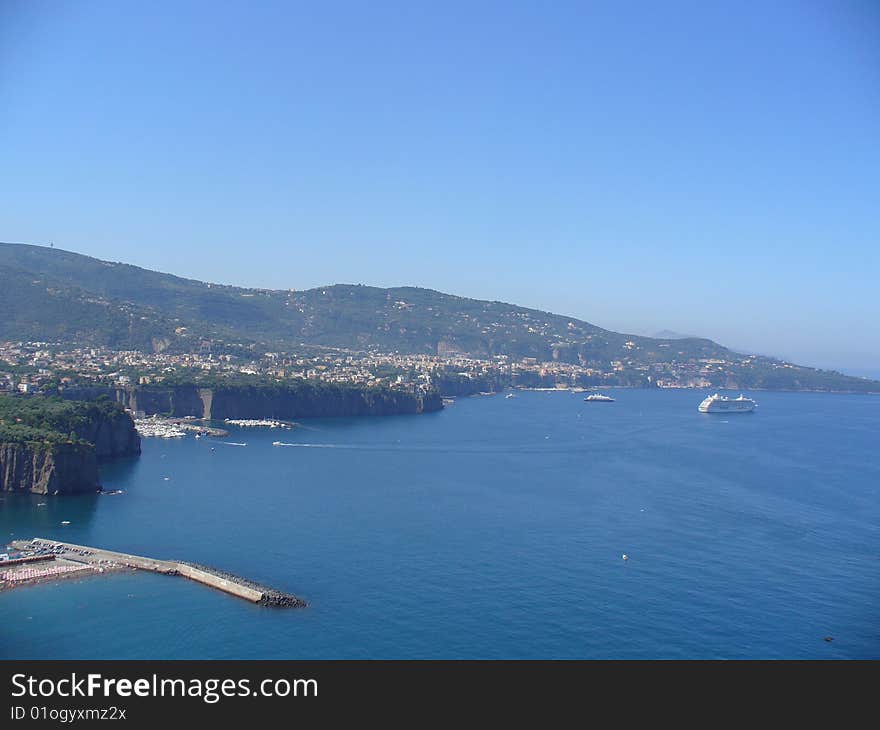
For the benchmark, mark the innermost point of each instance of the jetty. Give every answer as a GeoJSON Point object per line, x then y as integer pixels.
{"type": "Point", "coordinates": [102, 560]}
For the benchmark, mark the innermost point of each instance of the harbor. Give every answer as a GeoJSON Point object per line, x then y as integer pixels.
{"type": "Point", "coordinates": [259, 423]}
{"type": "Point", "coordinates": [169, 428]}
{"type": "Point", "coordinates": [40, 560]}
{"type": "Point", "coordinates": [156, 426]}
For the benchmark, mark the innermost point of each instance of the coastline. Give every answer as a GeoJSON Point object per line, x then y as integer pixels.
{"type": "Point", "coordinates": [288, 519]}
{"type": "Point", "coordinates": [580, 389]}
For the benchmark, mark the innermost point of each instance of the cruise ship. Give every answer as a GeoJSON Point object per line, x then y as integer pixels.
{"type": "Point", "coordinates": [598, 398]}
{"type": "Point", "coordinates": [722, 404]}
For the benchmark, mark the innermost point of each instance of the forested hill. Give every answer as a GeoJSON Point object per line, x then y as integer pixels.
{"type": "Point", "coordinates": [57, 295]}
{"type": "Point", "coordinates": [52, 295]}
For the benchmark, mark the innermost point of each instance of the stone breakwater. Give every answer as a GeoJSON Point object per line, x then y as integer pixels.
{"type": "Point", "coordinates": [108, 559]}
{"type": "Point", "coordinates": [268, 596]}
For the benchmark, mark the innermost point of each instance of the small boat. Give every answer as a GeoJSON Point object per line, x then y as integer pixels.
{"type": "Point", "coordinates": [65, 522]}
{"type": "Point", "coordinates": [276, 443]}
{"type": "Point", "coordinates": [510, 395]}
{"type": "Point", "coordinates": [598, 398]}
{"type": "Point", "coordinates": [234, 443]}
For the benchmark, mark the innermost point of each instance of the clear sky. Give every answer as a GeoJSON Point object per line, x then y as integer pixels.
{"type": "Point", "coordinates": [711, 168]}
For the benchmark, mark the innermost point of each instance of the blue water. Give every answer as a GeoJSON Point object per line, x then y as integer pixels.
{"type": "Point", "coordinates": [493, 529]}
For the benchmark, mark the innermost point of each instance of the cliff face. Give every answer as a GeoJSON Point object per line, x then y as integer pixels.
{"type": "Point", "coordinates": [176, 401]}
{"type": "Point", "coordinates": [431, 402]}
{"type": "Point", "coordinates": [44, 468]}
{"type": "Point", "coordinates": [53, 446]}
{"type": "Point", "coordinates": [112, 432]}
{"type": "Point", "coordinates": [253, 403]}
{"type": "Point", "coordinates": [280, 402]}
{"type": "Point", "coordinates": [452, 385]}
{"type": "Point", "coordinates": [112, 436]}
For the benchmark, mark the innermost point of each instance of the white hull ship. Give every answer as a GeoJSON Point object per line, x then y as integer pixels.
{"type": "Point", "coordinates": [598, 398]}
{"type": "Point", "coordinates": [722, 404]}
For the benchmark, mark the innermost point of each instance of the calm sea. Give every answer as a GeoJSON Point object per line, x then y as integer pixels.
{"type": "Point", "coordinates": [494, 529]}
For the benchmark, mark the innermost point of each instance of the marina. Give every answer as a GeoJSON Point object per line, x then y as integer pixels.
{"type": "Point", "coordinates": [258, 423]}
{"type": "Point", "coordinates": [172, 428]}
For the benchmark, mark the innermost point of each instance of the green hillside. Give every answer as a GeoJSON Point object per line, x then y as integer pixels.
{"type": "Point", "coordinates": [53, 295]}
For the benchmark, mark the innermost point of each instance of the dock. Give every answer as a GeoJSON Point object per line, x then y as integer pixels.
{"type": "Point", "coordinates": [102, 560]}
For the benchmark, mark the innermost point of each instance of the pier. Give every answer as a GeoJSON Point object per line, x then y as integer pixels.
{"type": "Point", "coordinates": [101, 560]}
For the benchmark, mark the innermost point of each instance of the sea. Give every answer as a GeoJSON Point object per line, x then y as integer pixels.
{"type": "Point", "coordinates": [494, 529]}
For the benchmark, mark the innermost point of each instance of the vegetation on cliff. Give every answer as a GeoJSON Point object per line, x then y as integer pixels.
{"type": "Point", "coordinates": [52, 419]}
{"type": "Point", "coordinates": [50, 445]}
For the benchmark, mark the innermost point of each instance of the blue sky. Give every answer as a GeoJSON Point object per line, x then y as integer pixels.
{"type": "Point", "coordinates": [706, 167]}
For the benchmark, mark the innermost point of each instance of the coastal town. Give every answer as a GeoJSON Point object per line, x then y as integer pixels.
{"type": "Point", "coordinates": [29, 367]}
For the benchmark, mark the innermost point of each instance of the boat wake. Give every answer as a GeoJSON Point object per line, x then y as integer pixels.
{"type": "Point", "coordinates": [451, 449]}
{"type": "Point", "coordinates": [316, 446]}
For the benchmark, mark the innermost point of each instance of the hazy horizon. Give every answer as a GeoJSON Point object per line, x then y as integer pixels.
{"type": "Point", "coordinates": [697, 167]}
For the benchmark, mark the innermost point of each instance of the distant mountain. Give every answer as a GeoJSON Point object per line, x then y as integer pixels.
{"type": "Point", "coordinates": [670, 335]}
{"type": "Point", "coordinates": [54, 295]}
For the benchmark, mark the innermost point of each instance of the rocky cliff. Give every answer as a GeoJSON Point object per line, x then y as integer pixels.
{"type": "Point", "coordinates": [53, 446]}
{"type": "Point", "coordinates": [48, 468]}
{"type": "Point", "coordinates": [286, 402]}
{"type": "Point", "coordinates": [112, 437]}
{"type": "Point", "coordinates": [459, 385]}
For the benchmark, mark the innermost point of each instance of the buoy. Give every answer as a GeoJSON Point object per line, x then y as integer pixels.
{"type": "Point", "coordinates": [625, 556]}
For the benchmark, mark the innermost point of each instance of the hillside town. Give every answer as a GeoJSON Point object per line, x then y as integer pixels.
{"type": "Point", "coordinates": [28, 367]}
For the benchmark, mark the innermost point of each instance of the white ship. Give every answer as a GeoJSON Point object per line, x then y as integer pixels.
{"type": "Point", "coordinates": [598, 398]}
{"type": "Point", "coordinates": [722, 404]}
